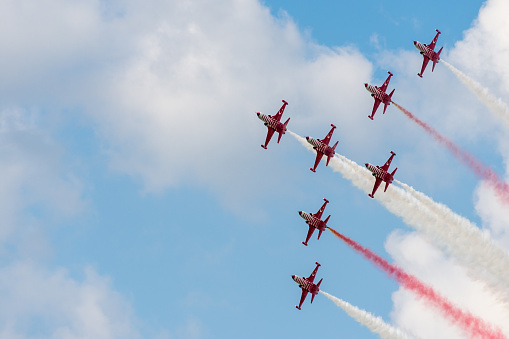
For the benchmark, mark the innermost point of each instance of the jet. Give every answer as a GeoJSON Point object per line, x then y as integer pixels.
{"type": "Point", "coordinates": [307, 285]}
{"type": "Point", "coordinates": [322, 148]}
{"type": "Point", "coordinates": [428, 52]}
{"type": "Point", "coordinates": [274, 124]}
{"type": "Point", "coordinates": [315, 221]}
{"type": "Point", "coordinates": [378, 93]}
{"type": "Point", "coordinates": [382, 174]}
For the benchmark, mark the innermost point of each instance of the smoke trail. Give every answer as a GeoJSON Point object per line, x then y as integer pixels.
{"type": "Point", "coordinates": [500, 187]}
{"type": "Point", "coordinates": [494, 104]}
{"type": "Point", "coordinates": [373, 323]}
{"type": "Point", "coordinates": [476, 327]}
{"type": "Point", "coordinates": [457, 236]}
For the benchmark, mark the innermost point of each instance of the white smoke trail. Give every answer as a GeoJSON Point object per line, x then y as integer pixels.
{"type": "Point", "coordinates": [494, 104]}
{"type": "Point", "coordinates": [456, 235]}
{"type": "Point", "coordinates": [373, 323]}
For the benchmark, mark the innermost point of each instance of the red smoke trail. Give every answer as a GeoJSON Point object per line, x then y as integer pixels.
{"type": "Point", "coordinates": [477, 327]}
{"type": "Point", "coordinates": [501, 188]}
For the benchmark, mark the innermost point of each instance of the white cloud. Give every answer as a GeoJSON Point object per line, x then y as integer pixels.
{"type": "Point", "coordinates": [181, 108]}
{"type": "Point", "coordinates": [419, 258]}
{"type": "Point", "coordinates": [48, 303]}
{"type": "Point", "coordinates": [36, 189]}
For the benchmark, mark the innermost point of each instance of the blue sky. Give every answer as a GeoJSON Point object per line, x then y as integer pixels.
{"type": "Point", "coordinates": [139, 204]}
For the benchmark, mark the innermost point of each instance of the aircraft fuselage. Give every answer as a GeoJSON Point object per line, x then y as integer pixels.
{"type": "Point", "coordinates": [427, 52]}
{"type": "Point", "coordinates": [270, 122]}
{"type": "Point", "coordinates": [377, 93]}
{"type": "Point", "coordinates": [380, 173]}
{"type": "Point", "coordinates": [305, 284]}
{"type": "Point", "coordinates": [312, 220]}
{"type": "Point", "coordinates": [321, 147]}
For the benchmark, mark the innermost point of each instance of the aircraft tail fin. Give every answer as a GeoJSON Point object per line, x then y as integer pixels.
{"type": "Point", "coordinates": [390, 95]}
{"type": "Point", "coordinates": [334, 147]}
{"type": "Point", "coordinates": [326, 220]}
{"type": "Point", "coordinates": [333, 150]}
{"type": "Point", "coordinates": [440, 51]}
{"type": "Point", "coordinates": [389, 182]}
{"type": "Point", "coordinates": [283, 132]}
{"type": "Point", "coordinates": [318, 285]}
{"type": "Point", "coordinates": [436, 61]}
{"type": "Point", "coordinates": [319, 233]}
{"type": "Point", "coordinates": [286, 123]}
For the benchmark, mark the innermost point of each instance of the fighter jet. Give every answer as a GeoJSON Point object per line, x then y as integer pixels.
{"type": "Point", "coordinates": [428, 52]}
{"type": "Point", "coordinates": [378, 93]}
{"type": "Point", "coordinates": [315, 221]}
{"type": "Point", "coordinates": [274, 124]}
{"type": "Point", "coordinates": [306, 284]}
{"type": "Point", "coordinates": [382, 174]}
{"type": "Point", "coordinates": [322, 148]}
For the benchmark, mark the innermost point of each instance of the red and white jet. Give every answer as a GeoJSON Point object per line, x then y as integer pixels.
{"type": "Point", "coordinates": [378, 93]}
{"type": "Point", "coordinates": [322, 148]}
{"type": "Point", "coordinates": [428, 52]}
{"type": "Point", "coordinates": [315, 221]}
{"type": "Point", "coordinates": [274, 124]}
{"type": "Point", "coordinates": [382, 174]}
{"type": "Point", "coordinates": [307, 285]}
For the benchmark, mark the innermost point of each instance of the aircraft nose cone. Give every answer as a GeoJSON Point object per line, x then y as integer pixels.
{"type": "Point", "coordinates": [307, 138]}
{"type": "Point", "coordinates": [415, 42]}
{"type": "Point", "coordinates": [365, 84]}
{"type": "Point", "coordinates": [300, 212]}
{"type": "Point", "coordinates": [366, 164]}
{"type": "Point", "coordinates": [258, 113]}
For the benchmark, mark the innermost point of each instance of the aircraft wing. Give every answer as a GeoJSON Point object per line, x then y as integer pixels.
{"type": "Point", "coordinates": [378, 181]}
{"type": "Point", "coordinates": [327, 138]}
{"type": "Point", "coordinates": [424, 64]}
{"type": "Point", "coordinates": [279, 114]}
{"type": "Point", "coordinates": [311, 278]}
{"type": "Point", "coordinates": [270, 133]}
{"type": "Point", "coordinates": [385, 167]}
{"type": "Point", "coordinates": [434, 41]}
{"type": "Point", "coordinates": [375, 107]}
{"type": "Point", "coordinates": [320, 211]}
{"type": "Point", "coordinates": [386, 83]}
{"type": "Point", "coordinates": [310, 233]}
{"type": "Point", "coordinates": [319, 156]}
{"type": "Point", "coordinates": [302, 297]}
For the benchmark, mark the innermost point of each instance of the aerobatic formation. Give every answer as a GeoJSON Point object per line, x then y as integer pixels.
{"type": "Point", "coordinates": [469, 323]}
